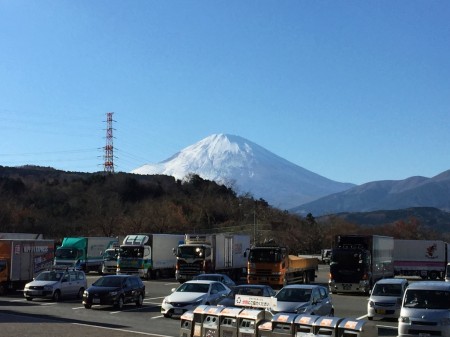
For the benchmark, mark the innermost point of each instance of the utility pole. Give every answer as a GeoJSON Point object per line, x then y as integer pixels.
{"type": "Point", "coordinates": [108, 165]}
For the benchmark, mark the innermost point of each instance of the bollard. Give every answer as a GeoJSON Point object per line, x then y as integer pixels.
{"type": "Point", "coordinates": [199, 316]}
{"type": "Point", "coordinates": [249, 321]}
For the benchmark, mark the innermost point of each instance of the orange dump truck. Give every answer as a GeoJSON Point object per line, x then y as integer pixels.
{"type": "Point", "coordinates": [272, 265]}
{"type": "Point", "coordinates": [21, 260]}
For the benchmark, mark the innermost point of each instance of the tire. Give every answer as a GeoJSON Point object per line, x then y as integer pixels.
{"type": "Point", "coordinates": [56, 296]}
{"type": "Point", "coordinates": [167, 315]}
{"type": "Point", "coordinates": [29, 298]}
{"type": "Point", "coordinates": [157, 274]}
{"type": "Point", "coordinates": [433, 275]}
{"type": "Point", "coordinates": [119, 304]}
{"type": "Point", "coordinates": [369, 318]}
{"type": "Point", "coordinates": [80, 293]}
{"type": "Point", "coordinates": [140, 300]}
{"type": "Point", "coordinates": [87, 306]}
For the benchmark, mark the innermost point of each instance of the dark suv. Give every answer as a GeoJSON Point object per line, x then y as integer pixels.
{"type": "Point", "coordinates": [115, 290]}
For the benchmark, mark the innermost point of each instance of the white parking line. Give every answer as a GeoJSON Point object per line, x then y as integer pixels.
{"type": "Point", "coordinates": [124, 330]}
{"type": "Point", "coordinates": [161, 316]}
{"type": "Point", "coordinates": [362, 317]}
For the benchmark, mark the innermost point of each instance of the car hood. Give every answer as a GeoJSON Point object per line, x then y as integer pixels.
{"type": "Point", "coordinates": [185, 297]}
{"type": "Point", "coordinates": [385, 299]}
{"type": "Point", "coordinates": [100, 290]}
{"type": "Point", "coordinates": [41, 283]}
{"type": "Point", "coordinates": [290, 306]}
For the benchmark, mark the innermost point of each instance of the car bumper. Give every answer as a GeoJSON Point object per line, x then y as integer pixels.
{"type": "Point", "coordinates": [169, 309]}
{"type": "Point", "coordinates": [104, 300]}
{"type": "Point", "coordinates": [383, 312]}
{"type": "Point", "coordinates": [38, 293]}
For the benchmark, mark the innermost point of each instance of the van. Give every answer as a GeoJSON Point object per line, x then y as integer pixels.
{"type": "Point", "coordinates": [386, 298]}
{"type": "Point", "coordinates": [447, 273]}
{"type": "Point", "coordinates": [425, 310]}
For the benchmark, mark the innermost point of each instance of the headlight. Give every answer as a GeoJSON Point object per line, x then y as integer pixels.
{"type": "Point", "coordinates": [198, 302]}
{"type": "Point", "coordinates": [301, 310]}
{"type": "Point", "coordinates": [403, 319]}
{"type": "Point", "coordinates": [371, 304]}
{"type": "Point", "coordinates": [86, 293]}
{"type": "Point", "coordinates": [113, 293]}
{"type": "Point", "coordinates": [165, 301]}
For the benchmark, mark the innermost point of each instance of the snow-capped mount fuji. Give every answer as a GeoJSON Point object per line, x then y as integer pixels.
{"type": "Point", "coordinates": [247, 168]}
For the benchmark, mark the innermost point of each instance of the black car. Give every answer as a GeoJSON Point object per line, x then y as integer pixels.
{"type": "Point", "coordinates": [246, 289]}
{"type": "Point", "coordinates": [115, 290]}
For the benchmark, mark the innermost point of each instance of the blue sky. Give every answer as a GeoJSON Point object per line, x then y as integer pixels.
{"type": "Point", "coordinates": [355, 91]}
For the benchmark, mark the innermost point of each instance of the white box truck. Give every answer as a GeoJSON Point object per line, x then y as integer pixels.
{"type": "Point", "coordinates": [424, 258]}
{"type": "Point", "coordinates": [148, 255]}
{"type": "Point", "coordinates": [213, 253]}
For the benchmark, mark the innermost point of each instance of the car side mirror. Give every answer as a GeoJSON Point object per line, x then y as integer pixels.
{"type": "Point", "coordinates": [173, 289]}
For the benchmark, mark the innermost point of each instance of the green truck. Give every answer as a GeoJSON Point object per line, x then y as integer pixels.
{"type": "Point", "coordinates": [84, 253]}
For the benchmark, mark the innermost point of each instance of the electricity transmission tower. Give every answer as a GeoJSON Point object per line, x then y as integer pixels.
{"type": "Point", "coordinates": [108, 165]}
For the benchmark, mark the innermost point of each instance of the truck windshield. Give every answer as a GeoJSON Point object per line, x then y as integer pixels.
{"type": "Point", "coordinates": [110, 255]}
{"type": "Point", "coordinates": [190, 252]}
{"type": "Point", "coordinates": [67, 253]}
{"type": "Point", "coordinates": [264, 255]}
{"type": "Point", "coordinates": [347, 257]}
{"type": "Point", "coordinates": [131, 251]}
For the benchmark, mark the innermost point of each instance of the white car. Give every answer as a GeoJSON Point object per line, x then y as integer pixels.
{"type": "Point", "coordinates": [385, 298]}
{"type": "Point", "coordinates": [56, 284]}
{"type": "Point", "coordinates": [191, 294]}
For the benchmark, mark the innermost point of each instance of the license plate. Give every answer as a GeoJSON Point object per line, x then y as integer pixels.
{"type": "Point", "coordinates": [424, 334]}
{"type": "Point", "coordinates": [381, 311]}
{"type": "Point", "coordinates": [177, 311]}
{"type": "Point", "coordinates": [347, 286]}
{"type": "Point", "coordinates": [263, 278]}
{"type": "Point", "coordinates": [95, 300]}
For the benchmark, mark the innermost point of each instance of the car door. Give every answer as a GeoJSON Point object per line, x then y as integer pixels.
{"type": "Point", "coordinates": [128, 290]}
{"type": "Point", "coordinates": [218, 291]}
{"type": "Point", "coordinates": [326, 304]}
{"type": "Point", "coordinates": [66, 285]}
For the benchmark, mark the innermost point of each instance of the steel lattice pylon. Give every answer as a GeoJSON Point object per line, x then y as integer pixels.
{"type": "Point", "coordinates": [108, 165]}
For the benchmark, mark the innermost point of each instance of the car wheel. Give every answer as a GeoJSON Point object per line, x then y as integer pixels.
{"type": "Point", "coordinates": [369, 318]}
{"type": "Point", "coordinates": [139, 300]}
{"type": "Point", "coordinates": [87, 306]}
{"type": "Point", "coordinates": [29, 298]}
{"type": "Point", "coordinates": [56, 296]}
{"type": "Point", "coordinates": [119, 304]}
{"type": "Point", "coordinates": [167, 315]}
{"type": "Point", "coordinates": [80, 293]}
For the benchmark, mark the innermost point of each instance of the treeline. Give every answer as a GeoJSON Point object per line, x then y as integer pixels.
{"type": "Point", "coordinates": [59, 204]}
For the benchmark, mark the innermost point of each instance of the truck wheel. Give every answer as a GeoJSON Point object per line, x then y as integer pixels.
{"type": "Point", "coordinates": [56, 296]}
{"type": "Point", "coordinates": [29, 298]}
{"type": "Point", "coordinates": [87, 306]}
{"type": "Point", "coordinates": [157, 274]}
{"type": "Point", "coordinates": [433, 275]}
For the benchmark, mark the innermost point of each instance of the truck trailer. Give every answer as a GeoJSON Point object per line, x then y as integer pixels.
{"type": "Point", "coordinates": [271, 264]}
{"type": "Point", "coordinates": [358, 261]}
{"type": "Point", "coordinates": [84, 253]}
{"type": "Point", "coordinates": [148, 255]}
{"type": "Point", "coordinates": [21, 260]}
{"type": "Point", "coordinates": [212, 253]}
{"type": "Point", "coordinates": [424, 258]}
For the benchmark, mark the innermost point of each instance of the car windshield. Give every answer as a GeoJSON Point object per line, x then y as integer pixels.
{"type": "Point", "coordinates": [293, 295]}
{"type": "Point", "coordinates": [387, 290]}
{"type": "Point", "coordinates": [108, 282]}
{"type": "Point", "coordinates": [194, 288]}
{"type": "Point", "coordinates": [49, 276]}
{"type": "Point", "coordinates": [251, 291]}
{"type": "Point", "coordinates": [427, 299]}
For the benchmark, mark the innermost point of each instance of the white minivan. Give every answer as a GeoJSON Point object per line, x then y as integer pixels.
{"type": "Point", "coordinates": [425, 310]}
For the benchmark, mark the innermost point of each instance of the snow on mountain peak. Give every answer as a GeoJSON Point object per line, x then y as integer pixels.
{"type": "Point", "coordinates": [249, 168]}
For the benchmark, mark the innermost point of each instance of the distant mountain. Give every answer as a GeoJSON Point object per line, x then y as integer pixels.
{"type": "Point", "coordinates": [429, 217]}
{"type": "Point", "coordinates": [385, 195]}
{"type": "Point", "coordinates": [247, 168]}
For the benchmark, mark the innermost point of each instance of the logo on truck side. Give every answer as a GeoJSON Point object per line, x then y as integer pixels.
{"type": "Point", "coordinates": [430, 252]}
